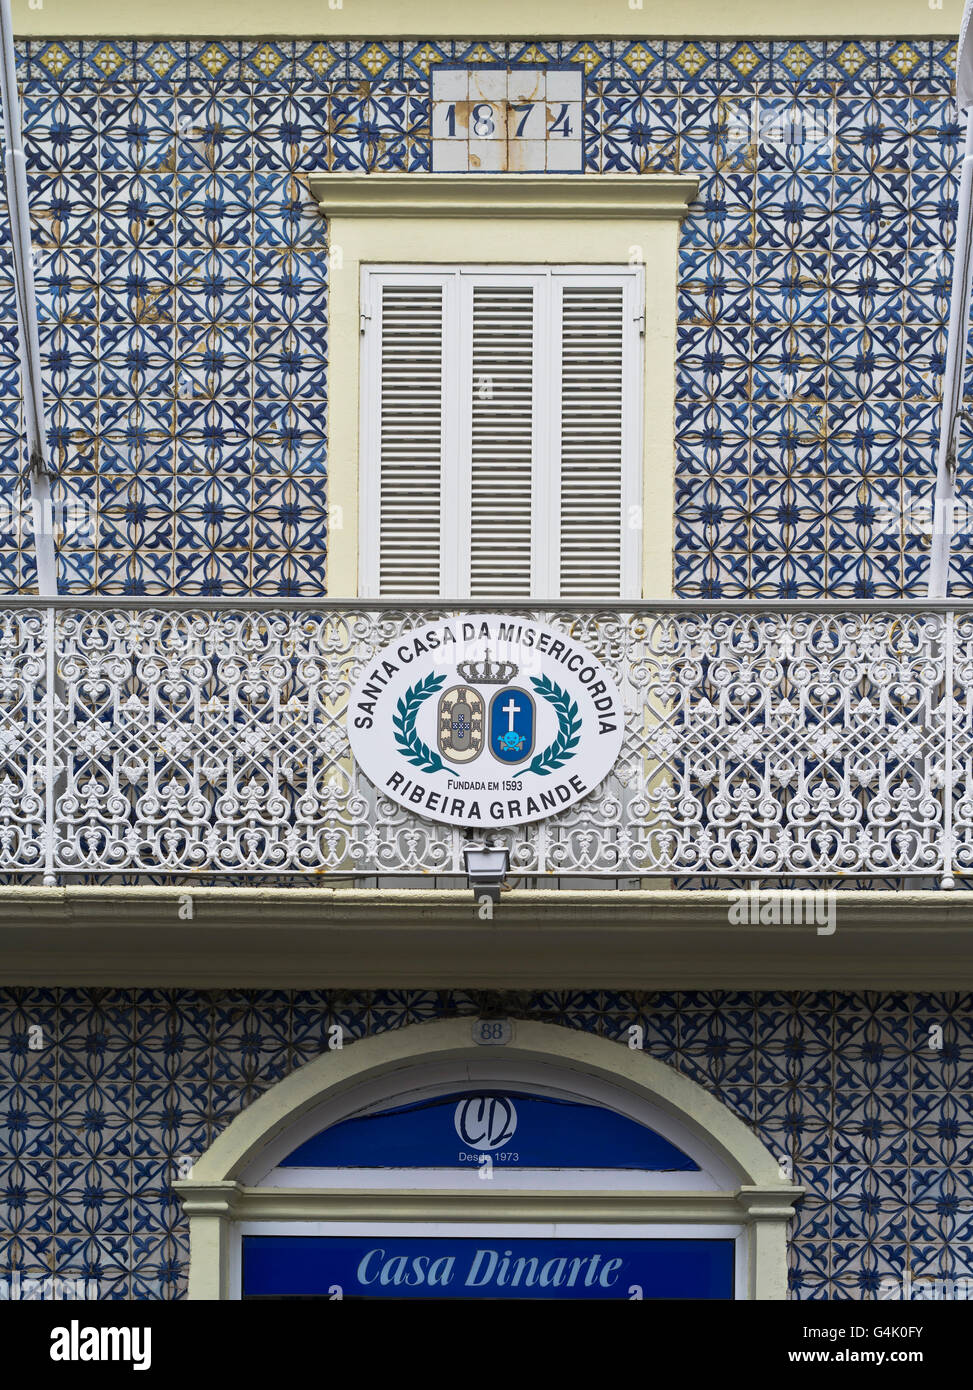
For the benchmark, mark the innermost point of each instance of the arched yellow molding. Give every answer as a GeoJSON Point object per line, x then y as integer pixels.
{"type": "Point", "coordinates": [285, 1103]}
{"type": "Point", "coordinates": [214, 1196]}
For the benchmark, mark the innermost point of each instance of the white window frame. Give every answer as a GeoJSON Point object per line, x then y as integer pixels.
{"type": "Point", "coordinates": [457, 282]}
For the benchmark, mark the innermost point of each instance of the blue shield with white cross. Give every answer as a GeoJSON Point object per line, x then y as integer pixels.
{"type": "Point", "coordinates": [511, 725]}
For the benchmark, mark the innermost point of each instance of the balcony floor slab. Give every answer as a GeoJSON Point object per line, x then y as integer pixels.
{"type": "Point", "coordinates": [347, 938]}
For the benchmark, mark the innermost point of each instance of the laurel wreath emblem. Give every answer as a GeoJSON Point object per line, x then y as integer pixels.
{"type": "Point", "coordinates": [561, 751]}
{"type": "Point", "coordinates": [413, 749]}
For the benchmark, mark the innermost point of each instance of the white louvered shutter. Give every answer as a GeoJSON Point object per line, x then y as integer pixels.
{"type": "Point", "coordinates": [411, 429]}
{"type": "Point", "coordinates": [501, 440]}
{"type": "Point", "coordinates": [500, 433]}
{"type": "Point", "coordinates": [591, 440]}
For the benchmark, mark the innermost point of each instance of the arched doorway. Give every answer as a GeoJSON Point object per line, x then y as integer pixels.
{"type": "Point", "coordinates": [420, 1163]}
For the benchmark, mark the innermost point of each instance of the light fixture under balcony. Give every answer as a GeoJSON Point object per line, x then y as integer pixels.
{"type": "Point", "coordinates": [486, 870]}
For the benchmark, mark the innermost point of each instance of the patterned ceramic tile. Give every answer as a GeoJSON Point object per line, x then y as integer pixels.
{"type": "Point", "coordinates": [131, 1083]}
{"type": "Point", "coordinates": [180, 265]}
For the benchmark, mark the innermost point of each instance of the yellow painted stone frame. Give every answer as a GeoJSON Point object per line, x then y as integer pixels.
{"type": "Point", "coordinates": [214, 1197]}
{"type": "Point", "coordinates": [506, 219]}
{"type": "Point", "coordinates": [437, 19]}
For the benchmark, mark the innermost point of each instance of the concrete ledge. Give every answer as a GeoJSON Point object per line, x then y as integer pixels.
{"type": "Point", "coordinates": [383, 1204]}
{"type": "Point", "coordinates": [570, 196]}
{"type": "Point", "coordinates": [346, 938]}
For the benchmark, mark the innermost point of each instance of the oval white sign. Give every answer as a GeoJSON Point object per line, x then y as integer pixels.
{"type": "Point", "coordinates": [485, 720]}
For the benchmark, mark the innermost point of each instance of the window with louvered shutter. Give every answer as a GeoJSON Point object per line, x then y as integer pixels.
{"type": "Point", "coordinates": [501, 446]}
{"type": "Point", "coordinates": [407, 414]}
{"type": "Point", "coordinates": [501, 442]}
{"type": "Point", "coordinates": [592, 443]}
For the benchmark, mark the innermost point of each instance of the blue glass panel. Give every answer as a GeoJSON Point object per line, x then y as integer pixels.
{"type": "Point", "coordinates": [514, 1129]}
{"type": "Point", "coordinates": [484, 1267]}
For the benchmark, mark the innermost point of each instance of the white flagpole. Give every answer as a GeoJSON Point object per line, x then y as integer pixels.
{"type": "Point", "coordinates": [28, 343]}
{"type": "Point", "coordinates": [959, 328]}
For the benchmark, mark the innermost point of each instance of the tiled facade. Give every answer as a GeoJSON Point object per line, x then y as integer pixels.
{"type": "Point", "coordinates": [182, 276]}
{"type": "Point", "coordinates": [128, 1082]}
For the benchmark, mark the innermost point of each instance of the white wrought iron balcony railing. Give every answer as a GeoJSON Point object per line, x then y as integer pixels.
{"type": "Point", "coordinates": [175, 740]}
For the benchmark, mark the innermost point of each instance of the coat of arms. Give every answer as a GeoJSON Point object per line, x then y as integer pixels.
{"type": "Point", "coordinates": [508, 733]}
{"type": "Point", "coordinates": [460, 724]}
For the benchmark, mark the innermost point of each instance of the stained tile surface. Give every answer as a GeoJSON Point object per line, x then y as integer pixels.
{"type": "Point", "coordinates": [183, 270]}
{"type": "Point", "coordinates": [129, 1085]}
